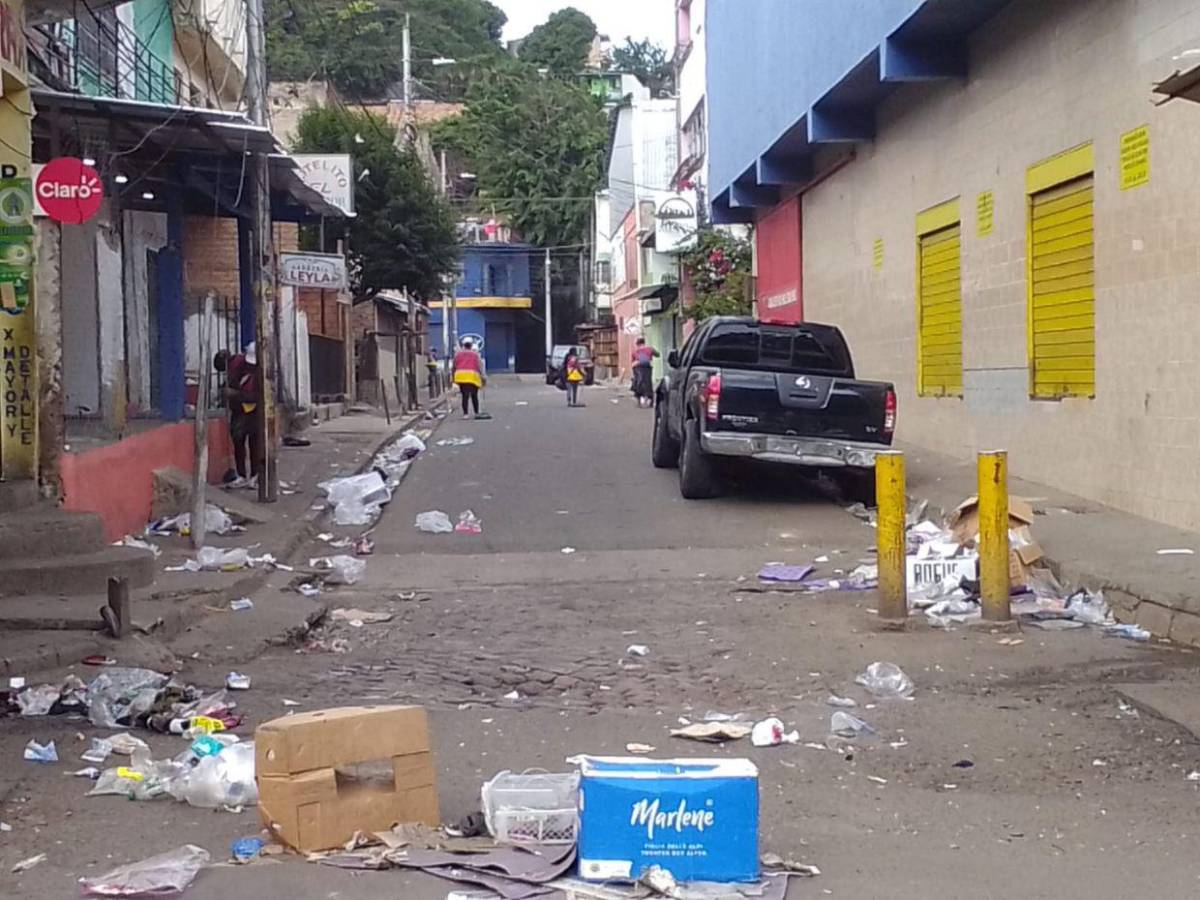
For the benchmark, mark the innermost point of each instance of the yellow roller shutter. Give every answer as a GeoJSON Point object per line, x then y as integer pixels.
{"type": "Point", "coordinates": [1063, 291]}
{"type": "Point", "coordinates": [939, 306]}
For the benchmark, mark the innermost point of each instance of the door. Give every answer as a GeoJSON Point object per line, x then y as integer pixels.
{"type": "Point", "coordinates": [498, 346]}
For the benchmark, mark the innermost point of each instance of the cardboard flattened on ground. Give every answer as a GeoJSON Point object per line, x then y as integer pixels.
{"type": "Point", "coordinates": [318, 774]}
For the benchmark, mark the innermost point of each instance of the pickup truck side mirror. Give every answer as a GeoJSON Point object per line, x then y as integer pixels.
{"type": "Point", "coordinates": [673, 359]}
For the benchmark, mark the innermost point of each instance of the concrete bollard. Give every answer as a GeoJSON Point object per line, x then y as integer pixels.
{"type": "Point", "coordinates": [890, 535]}
{"type": "Point", "coordinates": [993, 536]}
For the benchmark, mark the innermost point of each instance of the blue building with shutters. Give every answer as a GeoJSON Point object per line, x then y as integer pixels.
{"type": "Point", "coordinates": [494, 302]}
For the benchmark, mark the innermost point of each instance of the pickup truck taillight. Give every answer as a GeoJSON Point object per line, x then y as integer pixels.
{"type": "Point", "coordinates": [889, 414]}
{"type": "Point", "coordinates": [710, 396]}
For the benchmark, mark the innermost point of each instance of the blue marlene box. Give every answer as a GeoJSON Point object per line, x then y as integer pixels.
{"type": "Point", "coordinates": [697, 818]}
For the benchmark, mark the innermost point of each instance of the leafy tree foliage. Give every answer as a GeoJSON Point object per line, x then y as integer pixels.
{"type": "Point", "coordinates": [649, 62]}
{"type": "Point", "coordinates": [719, 269]}
{"type": "Point", "coordinates": [561, 43]}
{"type": "Point", "coordinates": [404, 234]}
{"type": "Point", "coordinates": [536, 146]}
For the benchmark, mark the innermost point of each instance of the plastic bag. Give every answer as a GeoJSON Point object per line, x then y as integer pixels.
{"type": "Point", "coordinates": [357, 499]}
{"type": "Point", "coordinates": [42, 753]}
{"type": "Point", "coordinates": [469, 523]}
{"type": "Point", "coordinates": [1089, 607]}
{"type": "Point", "coordinates": [434, 522]}
{"type": "Point", "coordinates": [886, 680]}
{"type": "Point", "coordinates": [214, 559]}
{"type": "Point", "coordinates": [163, 874]}
{"type": "Point", "coordinates": [953, 611]}
{"type": "Point", "coordinates": [846, 724]}
{"type": "Point", "coordinates": [117, 697]}
{"type": "Point", "coordinates": [409, 442]}
{"type": "Point", "coordinates": [37, 700]}
{"type": "Point", "coordinates": [342, 569]}
{"type": "Point", "coordinates": [222, 781]}
{"type": "Point", "coordinates": [770, 733]}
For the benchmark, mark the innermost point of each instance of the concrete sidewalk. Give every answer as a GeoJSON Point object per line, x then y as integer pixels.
{"type": "Point", "coordinates": [179, 600]}
{"type": "Point", "coordinates": [1089, 545]}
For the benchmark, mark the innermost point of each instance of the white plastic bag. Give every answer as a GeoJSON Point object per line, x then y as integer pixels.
{"type": "Point", "coordinates": [848, 725]}
{"type": "Point", "coordinates": [357, 499]}
{"type": "Point", "coordinates": [409, 442]}
{"type": "Point", "coordinates": [434, 522]}
{"type": "Point", "coordinates": [222, 781]}
{"type": "Point", "coordinates": [214, 559]}
{"type": "Point", "coordinates": [166, 873]}
{"type": "Point", "coordinates": [886, 680]}
{"type": "Point", "coordinates": [343, 569]}
{"type": "Point", "coordinates": [770, 733]}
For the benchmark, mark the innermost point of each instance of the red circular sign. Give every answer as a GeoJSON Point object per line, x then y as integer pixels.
{"type": "Point", "coordinates": [69, 191]}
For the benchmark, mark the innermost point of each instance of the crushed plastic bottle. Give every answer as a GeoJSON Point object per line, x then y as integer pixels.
{"type": "Point", "coordinates": [886, 680]}
{"type": "Point", "coordinates": [165, 873]}
{"type": "Point", "coordinates": [434, 522]}
{"type": "Point", "coordinates": [223, 781]}
{"type": "Point", "coordinates": [1129, 632]}
{"type": "Point", "coordinates": [846, 724]}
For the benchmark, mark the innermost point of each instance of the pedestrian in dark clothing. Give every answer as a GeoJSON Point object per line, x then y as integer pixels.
{"type": "Point", "coordinates": [643, 372]}
{"type": "Point", "coordinates": [245, 417]}
{"type": "Point", "coordinates": [574, 376]}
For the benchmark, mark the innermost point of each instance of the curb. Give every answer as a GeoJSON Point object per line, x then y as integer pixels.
{"type": "Point", "coordinates": [67, 651]}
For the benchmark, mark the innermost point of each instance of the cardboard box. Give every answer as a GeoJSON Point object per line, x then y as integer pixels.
{"type": "Point", "coordinates": [1025, 552]}
{"type": "Point", "coordinates": [934, 570]}
{"type": "Point", "coordinates": [697, 818]}
{"type": "Point", "coordinates": [312, 771]}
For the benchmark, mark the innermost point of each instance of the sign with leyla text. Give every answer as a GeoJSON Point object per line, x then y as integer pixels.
{"type": "Point", "coordinates": [331, 176]}
{"type": "Point", "coordinates": [316, 270]}
{"type": "Point", "coordinates": [1135, 158]}
{"type": "Point", "coordinates": [675, 224]}
{"type": "Point", "coordinates": [985, 213]}
{"type": "Point", "coordinates": [68, 190]}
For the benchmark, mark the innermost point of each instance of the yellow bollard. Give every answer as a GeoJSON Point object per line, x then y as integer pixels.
{"type": "Point", "coordinates": [890, 497]}
{"type": "Point", "coordinates": [993, 535]}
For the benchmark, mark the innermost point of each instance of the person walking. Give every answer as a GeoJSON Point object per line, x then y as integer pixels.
{"type": "Point", "coordinates": [574, 376]}
{"type": "Point", "coordinates": [431, 372]}
{"type": "Point", "coordinates": [241, 395]}
{"type": "Point", "coordinates": [643, 372]}
{"type": "Point", "coordinates": [469, 375]}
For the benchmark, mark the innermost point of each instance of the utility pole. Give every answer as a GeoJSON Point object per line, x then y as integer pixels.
{"type": "Point", "coordinates": [407, 49]}
{"type": "Point", "coordinates": [263, 253]}
{"type": "Point", "coordinates": [549, 314]}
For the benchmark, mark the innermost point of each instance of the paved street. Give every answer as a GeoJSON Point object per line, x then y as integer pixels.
{"type": "Point", "coordinates": [1066, 794]}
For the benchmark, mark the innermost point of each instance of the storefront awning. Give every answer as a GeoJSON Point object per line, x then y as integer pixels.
{"type": "Point", "coordinates": [159, 147]}
{"type": "Point", "coordinates": [1181, 85]}
{"type": "Point", "coordinates": [657, 290]}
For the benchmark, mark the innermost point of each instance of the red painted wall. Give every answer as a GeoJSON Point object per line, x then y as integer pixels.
{"type": "Point", "coordinates": [780, 295]}
{"type": "Point", "coordinates": [117, 481]}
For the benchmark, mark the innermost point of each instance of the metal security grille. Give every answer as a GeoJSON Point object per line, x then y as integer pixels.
{"type": "Point", "coordinates": [939, 304]}
{"type": "Point", "coordinates": [1063, 291]}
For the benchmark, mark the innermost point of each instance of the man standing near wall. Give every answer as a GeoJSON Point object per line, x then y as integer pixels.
{"type": "Point", "coordinates": [241, 387]}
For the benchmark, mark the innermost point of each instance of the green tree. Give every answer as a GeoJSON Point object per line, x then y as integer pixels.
{"type": "Point", "coordinates": [649, 62]}
{"type": "Point", "coordinates": [561, 43]}
{"type": "Point", "coordinates": [404, 232]}
{"type": "Point", "coordinates": [719, 268]}
{"type": "Point", "coordinates": [536, 146]}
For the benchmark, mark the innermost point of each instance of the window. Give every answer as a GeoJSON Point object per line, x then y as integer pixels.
{"type": "Point", "coordinates": [797, 349]}
{"type": "Point", "coordinates": [603, 272]}
{"type": "Point", "coordinates": [1061, 276]}
{"type": "Point", "coordinates": [939, 302]}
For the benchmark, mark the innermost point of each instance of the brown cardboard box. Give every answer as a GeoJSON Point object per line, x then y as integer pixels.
{"type": "Point", "coordinates": [964, 525]}
{"type": "Point", "coordinates": [309, 797]}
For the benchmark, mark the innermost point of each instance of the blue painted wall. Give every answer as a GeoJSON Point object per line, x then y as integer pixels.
{"type": "Point", "coordinates": [495, 270]}
{"type": "Point", "coordinates": [769, 60]}
{"type": "Point", "coordinates": [497, 327]}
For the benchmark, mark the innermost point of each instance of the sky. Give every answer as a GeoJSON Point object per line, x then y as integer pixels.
{"type": "Point", "coordinates": [654, 19]}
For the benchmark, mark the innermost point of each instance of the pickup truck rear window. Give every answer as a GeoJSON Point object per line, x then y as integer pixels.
{"type": "Point", "coordinates": [821, 351]}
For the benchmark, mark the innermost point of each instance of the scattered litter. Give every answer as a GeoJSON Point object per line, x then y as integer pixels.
{"type": "Point", "coordinates": [340, 569]}
{"type": "Point", "coordinates": [1056, 624]}
{"type": "Point", "coordinates": [1128, 632]}
{"type": "Point", "coordinates": [26, 864]}
{"type": "Point", "coordinates": [39, 699]}
{"type": "Point", "coordinates": [357, 499]}
{"type": "Point", "coordinates": [462, 441]}
{"type": "Point", "coordinates": [242, 603]}
{"type": "Point", "coordinates": [963, 764]}
{"type": "Point", "coordinates": [235, 681]}
{"type": "Point", "coordinates": [5, 827]}
{"type": "Point", "coordinates": [224, 780]}
{"type": "Point", "coordinates": [290, 703]}
{"type": "Point", "coordinates": [1099, 763]}
{"type": "Point", "coordinates": [886, 680]}
{"type": "Point", "coordinates": [98, 752]}
{"type": "Point", "coordinates": [512, 695]}
{"type": "Point", "coordinates": [16, 682]}
{"type": "Point", "coordinates": [775, 861]}
{"type": "Point", "coordinates": [521, 403]}
{"type": "Point", "coordinates": [846, 724]}
{"type": "Point", "coordinates": [821, 559]}
{"type": "Point", "coordinates": [359, 617]}
{"type": "Point", "coordinates": [163, 874]}
{"type": "Point", "coordinates": [568, 550]}
{"type": "Point", "coordinates": [637, 650]}
{"type": "Point", "coordinates": [308, 589]}
{"type": "Point", "coordinates": [434, 522]}
{"type": "Point", "coordinates": [784, 573]}
{"type": "Point", "coordinates": [244, 849]}
{"type": "Point", "coordinates": [770, 733]}
{"type": "Point", "coordinates": [98, 659]}
{"type": "Point", "coordinates": [532, 807]}
{"type": "Point", "coordinates": [713, 732]}
{"type": "Point", "coordinates": [1089, 607]}
{"type": "Point", "coordinates": [87, 772]}
{"type": "Point", "coordinates": [214, 559]}
{"type": "Point", "coordinates": [364, 546]}
{"type": "Point", "coordinates": [1193, 776]}
{"type": "Point", "coordinates": [637, 748]}
{"type": "Point", "coordinates": [336, 645]}
{"type": "Point", "coordinates": [1177, 551]}
{"type": "Point", "coordinates": [953, 611]}
{"type": "Point", "coordinates": [139, 544]}
{"type": "Point", "coordinates": [876, 779]}
{"type": "Point", "coordinates": [469, 523]}
{"type": "Point", "coordinates": [216, 521]}
{"type": "Point", "coordinates": [41, 753]}
{"type": "Point", "coordinates": [843, 702]}
{"type": "Point", "coordinates": [1010, 642]}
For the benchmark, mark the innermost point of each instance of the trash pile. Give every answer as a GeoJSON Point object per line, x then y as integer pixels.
{"type": "Point", "coordinates": [216, 559]}
{"type": "Point", "coordinates": [216, 521]}
{"type": "Point", "coordinates": [435, 521]}
{"type": "Point", "coordinates": [359, 499]}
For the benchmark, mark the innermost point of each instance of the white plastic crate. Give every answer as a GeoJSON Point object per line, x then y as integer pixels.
{"type": "Point", "coordinates": [532, 807]}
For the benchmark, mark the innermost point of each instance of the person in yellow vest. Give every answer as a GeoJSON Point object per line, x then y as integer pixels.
{"type": "Point", "coordinates": [469, 375]}
{"type": "Point", "coordinates": [574, 376]}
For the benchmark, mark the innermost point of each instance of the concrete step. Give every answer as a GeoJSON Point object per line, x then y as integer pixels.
{"type": "Point", "coordinates": [76, 573]}
{"type": "Point", "coordinates": [44, 531]}
{"type": "Point", "coordinates": [15, 495]}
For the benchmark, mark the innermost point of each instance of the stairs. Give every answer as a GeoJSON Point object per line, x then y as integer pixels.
{"type": "Point", "coordinates": [47, 550]}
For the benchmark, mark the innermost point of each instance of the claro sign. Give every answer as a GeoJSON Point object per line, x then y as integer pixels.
{"type": "Point", "coordinates": [67, 190]}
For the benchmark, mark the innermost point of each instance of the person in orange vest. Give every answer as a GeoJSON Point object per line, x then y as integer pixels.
{"type": "Point", "coordinates": [469, 375]}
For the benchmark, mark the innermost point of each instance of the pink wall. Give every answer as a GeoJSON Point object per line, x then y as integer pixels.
{"type": "Point", "coordinates": [117, 481]}
{"type": "Point", "coordinates": [780, 264]}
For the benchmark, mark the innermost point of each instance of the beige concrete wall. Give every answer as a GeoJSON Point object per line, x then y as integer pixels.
{"type": "Point", "coordinates": [1045, 77]}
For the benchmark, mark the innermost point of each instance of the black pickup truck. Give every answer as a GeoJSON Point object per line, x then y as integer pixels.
{"type": "Point", "coordinates": [741, 389]}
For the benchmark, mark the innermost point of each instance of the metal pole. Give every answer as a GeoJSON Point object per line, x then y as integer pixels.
{"type": "Point", "coordinates": [263, 255]}
{"type": "Point", "coordinates": [200, 449]}
{"type": "Point", "coordinates": [890, 496]}
{"type": "Point", "coordinates": [407, 50]}
{"type": "Point", "coordinates": [993, 536]}
{"type": "Point", "coordinates": [549, 313]}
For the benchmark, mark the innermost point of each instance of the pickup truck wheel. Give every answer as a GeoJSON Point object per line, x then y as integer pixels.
{"type": "Point", "coordinates": [664, 452]}
{"type": "Point", "coordinates": [698, 478]}
{"type": "Point", "coordinates": [858, 486]}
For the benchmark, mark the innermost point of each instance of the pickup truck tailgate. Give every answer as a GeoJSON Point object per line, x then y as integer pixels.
{"type": "Point", "coordinates": [802, 405]}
